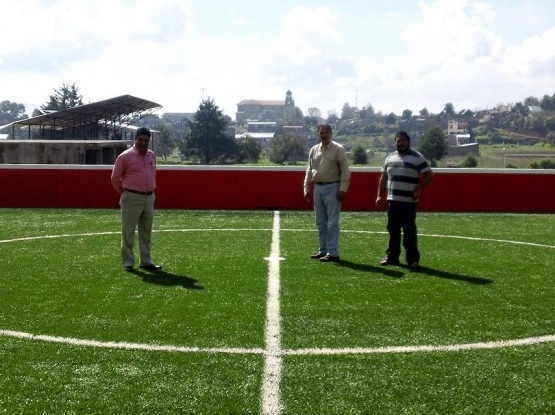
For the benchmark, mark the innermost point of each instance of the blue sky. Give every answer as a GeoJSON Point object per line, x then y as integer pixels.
{"type": "Point", "coordinates": [393, 55]}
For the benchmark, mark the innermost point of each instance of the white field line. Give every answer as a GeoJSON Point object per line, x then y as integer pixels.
{"type": "Point", "coordinates": [500, 344]}
{"type": "Point", "coordinates": [73, 235]}
{"type": "Point", "coordinates": [271, 404]}
{"type": "Point", "coordinates": [273, 349]}
{"type": "Point", "coordinates": [470, 238]}
{"type": "Point", "coordinates": [126, 345]}
{"type": "Point", "coordinates": [529, 341]}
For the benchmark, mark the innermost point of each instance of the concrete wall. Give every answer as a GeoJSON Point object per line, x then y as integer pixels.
{"type": "Point", "coordinates": [205, 187]}
{"type": "Point", "coordinates": [61, 151]}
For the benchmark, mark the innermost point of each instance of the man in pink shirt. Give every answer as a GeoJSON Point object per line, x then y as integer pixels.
{"type": "Point", "coordinates": [134, 178]}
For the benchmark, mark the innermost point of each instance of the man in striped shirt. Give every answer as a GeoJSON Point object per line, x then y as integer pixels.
{"type": "Point", "coordinates": [405, 174]}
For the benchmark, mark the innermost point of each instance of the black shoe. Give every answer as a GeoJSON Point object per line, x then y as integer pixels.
{"type": "Point", "coordinates": [330, 258]}
{"type": "Point", "coordinates": [317, 256]}
{"type": "Point", "coordinates": [151, 267]}
{"type": "Point", "coordinates": [128, 268]}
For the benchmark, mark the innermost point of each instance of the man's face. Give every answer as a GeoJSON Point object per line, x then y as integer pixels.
{"type": "Point", "coordinates": [325, 135]}
{"type": "Point", "coordinates": [141, 143]}
{"type": "Point", "coordinates": [402, 145]}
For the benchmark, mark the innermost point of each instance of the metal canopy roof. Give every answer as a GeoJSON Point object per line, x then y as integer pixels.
{"type": "Point", "coordinates": [120, 111]}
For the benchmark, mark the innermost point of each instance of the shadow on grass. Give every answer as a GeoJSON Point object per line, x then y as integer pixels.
{"type": "Point", "coordinates": [168, 279]}
{"type": "Point", "coordinates": [452, 276]}
{"type": "Point", "coordinates": [394, 273]}
{"type": "Point", "coordinates": [390, 272]}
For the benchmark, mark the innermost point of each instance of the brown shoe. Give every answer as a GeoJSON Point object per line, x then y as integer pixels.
{"type": "Point", "coordinates": [414, 265]}
{"type": "Point", "coordinates": [330, 258]}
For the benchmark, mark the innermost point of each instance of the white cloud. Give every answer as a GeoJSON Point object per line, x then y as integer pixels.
{"type": "Point", "coordinates": [451, 55]}
{"type": "Point", "coordinates": [175, 52]}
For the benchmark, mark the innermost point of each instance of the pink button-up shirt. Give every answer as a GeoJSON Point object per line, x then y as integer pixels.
{"type": "Point", "coordinates": [135, 171]}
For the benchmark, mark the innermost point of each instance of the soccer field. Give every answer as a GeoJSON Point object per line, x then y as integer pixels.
{"type": "Point", "coordinates": [241, 320]}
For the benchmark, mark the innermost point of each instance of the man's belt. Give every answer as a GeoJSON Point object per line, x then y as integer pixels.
{"type": "Point", "coordinates": [139, 193]}
{"type": "Point", "coordinates": [325, 183]}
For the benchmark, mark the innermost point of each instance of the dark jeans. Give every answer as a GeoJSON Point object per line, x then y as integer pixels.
{"type": "Point", "coordinates": [402, 215]}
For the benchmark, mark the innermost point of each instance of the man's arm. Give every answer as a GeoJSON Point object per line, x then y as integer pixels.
{"type": "Point", "coordinates": [307, 177]}
{"type": "Point", "coordinates": [117, 174]}
{"type": "Point", "coordinates": [426, 180]}
{"type": "Point", "coordinates": [382, 184]}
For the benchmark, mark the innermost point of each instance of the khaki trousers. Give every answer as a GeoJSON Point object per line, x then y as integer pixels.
{"type": "Point", "coordinates": [137, 211]}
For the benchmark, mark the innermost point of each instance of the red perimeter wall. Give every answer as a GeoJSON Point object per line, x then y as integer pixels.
{"type": "Point", "coordinates": [206, 187]}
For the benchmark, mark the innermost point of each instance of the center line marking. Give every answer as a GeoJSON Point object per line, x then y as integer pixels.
{"type": "Point", "coordinates": [271, 404]}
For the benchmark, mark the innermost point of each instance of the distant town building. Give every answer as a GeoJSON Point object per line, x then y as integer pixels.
{"type": "Point", "coordinates": [534, 109]}
{"type": "Point", "coordinates": [296, 130]}
{"type": "Point", "coordinates": [458, 139]}
{"type": "Point", "coordinates": [261, 131]}
{"type": "Point", "coordinates": [178, 117]}
{"type": "Point", "coordinates": [251, 109]}
{"type": "Point", "coordinates": [456, 127]}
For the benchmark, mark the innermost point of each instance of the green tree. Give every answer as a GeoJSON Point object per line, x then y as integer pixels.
{"type": "Point", "coordinates": [249, 150]}
{"type": "Point", "coordinates": [544, 164]}
{"type": "Point", "coordinates": [424, 112]}
{"type": "Point", "coordinates": [311, 123]}
{"type": "Point", "coordinates": [531, 101]}
{"type": "Point", "coordinates": [164, 142]}
{"type": "Point", "coordinates": [470, 161]}
{"type": "Point", "coordinates": [372, 128]}
{"type": "Point", "coordinates": [314, 112]}
{"type": "Point", "coordinates": [367, 113]}
{"type": "Point", "coordinates": [359, 155]}
{"type": "Point", "coordinates": [548, 102]}
{"type": "Point", "coordinates": [207, 139]}
{"type": "Point", "coordinates": [286, 148]}
{"type": "Point", "coordinates": [520, 109]}
{"type": "Point", "coordinates": [433, 144]}
{"type": "Point", "coordinates": [65, 97]}
{"type": "Point", "coordinates": [347, 112]}
{"type": "Point", "coordinates": [293, 116]}
{"type": "Point", "coordinates": [391, 118]}
{"type": "Point", "coordinates": [332, 118]}
{"type": "Point", "coordinates": [11, 111]}
{"type": "Point", "coordinates": [550, 123]}
{"type": "Point", "coordinates": [449, 109]}
{"type": "Point", "coordinates": [407, 115]}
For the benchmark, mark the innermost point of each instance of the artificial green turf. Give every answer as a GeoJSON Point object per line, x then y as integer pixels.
{"type": "Point", "coordinates": [487, 382]}
{"type": "Point", "coordinates": [466, 290]}
{"type": "Point", "coordinates": [475, 285]}
{"type": "Point", "coordinates": [43, 378]}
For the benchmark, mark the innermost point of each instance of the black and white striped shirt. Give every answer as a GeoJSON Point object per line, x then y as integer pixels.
{"type": "Point", "coordinates": [403, 174]}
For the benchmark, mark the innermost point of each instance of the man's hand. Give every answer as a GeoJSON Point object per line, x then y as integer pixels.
{"type": "Point", "coordinates": [341, 195]}
{"type": "Point", "coordinates": [379, 201]}
{"type": "Point", "coordinates": [307, 197]}
{"type": "Point", "coordinates": [416, 194]}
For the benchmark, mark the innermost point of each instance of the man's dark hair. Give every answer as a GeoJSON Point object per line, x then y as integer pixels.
{"type": "Point", "coordinates": [402, 134]}
{"type": "Point", "coordinates": [326, 126]}
{"type": "Point", "coordinates": [142, 131]}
